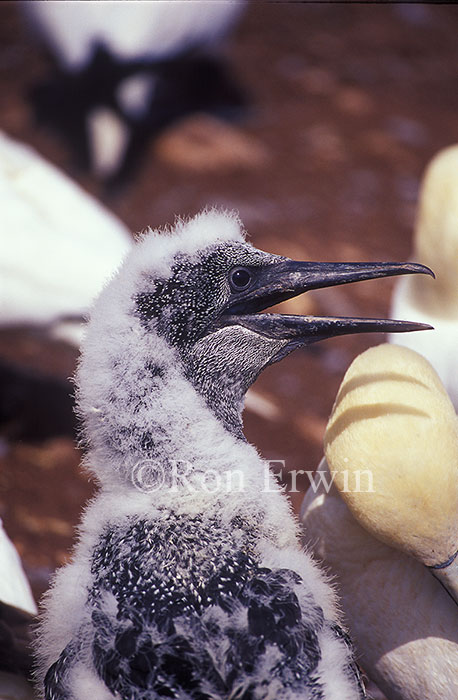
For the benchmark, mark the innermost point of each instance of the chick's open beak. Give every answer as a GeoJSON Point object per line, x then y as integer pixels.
{"type": "Point", "coordinates": [289, 278]}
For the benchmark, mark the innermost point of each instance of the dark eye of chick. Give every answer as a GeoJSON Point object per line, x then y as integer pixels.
{"type": "Point", "coordinates": [239, 278]}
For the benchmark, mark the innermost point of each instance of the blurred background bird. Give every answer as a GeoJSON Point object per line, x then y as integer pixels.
{"type": "Point", "coordinates": [59, 247]}
{"type": "Point", "coordinates": [17, 612]}
{"type": "Point", "coordinates": [390, 518]}
{"type": "Point", "coordinates": [436, 242]}
{"type": "Point", "coordinates": [126, 70]}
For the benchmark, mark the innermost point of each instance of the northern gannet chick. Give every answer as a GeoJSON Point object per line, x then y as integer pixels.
{"type": "Point", "coordinates": [393, 435]}
{"type": "Point", "coordinates": [188, 580]}
{"type": "Point", "coordinates": [59, 246]}
{"type": "Point", "coordinates": [436, 243]}
{"type": "Point", "coordinates": [129, 69]}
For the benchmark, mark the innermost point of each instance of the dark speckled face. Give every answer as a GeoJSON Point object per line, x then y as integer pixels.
{"type": "Point", "coordinates": [185, 307]}
{"type": "Point", "coordinates": [189, 309]}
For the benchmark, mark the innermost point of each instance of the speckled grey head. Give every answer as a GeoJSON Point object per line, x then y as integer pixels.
{"type": "Point", "coordinates": [193, 310]}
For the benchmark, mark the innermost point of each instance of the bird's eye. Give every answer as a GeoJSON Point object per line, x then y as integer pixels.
{"type": "Point", "coordinates": [239, 279]}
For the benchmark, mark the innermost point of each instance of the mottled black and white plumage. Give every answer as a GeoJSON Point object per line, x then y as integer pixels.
{"type": "Point", "coordinates": [178, 589]}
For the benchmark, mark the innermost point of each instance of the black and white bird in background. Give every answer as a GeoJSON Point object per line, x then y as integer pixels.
{"type": "Point", "coordinates": [17, 612]}
{"type": "Point", "coordinates": [58, 248]}
{"type": "Point", "coordinates": [189, 581]}
{"type": "Point", "coordinates": [125, 70]}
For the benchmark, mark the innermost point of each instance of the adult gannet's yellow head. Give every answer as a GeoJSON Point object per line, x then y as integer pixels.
{"type": "Point", "coordinates": [394, 423]}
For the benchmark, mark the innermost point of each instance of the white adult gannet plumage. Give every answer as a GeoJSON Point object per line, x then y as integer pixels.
{"type": "Point", "coordinates": [127, 69]}
{"type": "Point", "coordinates": [394, 424]}
{"type": "Point", "coordinates": [188, 580]}
{"type": "Point", "coordinates": [14, 587]}
{"type": "Point", "coordinates": [435, 242]}
{"type": "Point", "coordinates": [130, 30]}
{"type": "Point", "coordinates": [59, 245]}
{"type": "Point", "coordinates": [17, 612]}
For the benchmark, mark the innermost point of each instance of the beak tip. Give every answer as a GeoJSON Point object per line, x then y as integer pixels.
{"type": "Point", "coordinates": [422, 270]}
{"type": "Point", "coordinates": [408, 326]}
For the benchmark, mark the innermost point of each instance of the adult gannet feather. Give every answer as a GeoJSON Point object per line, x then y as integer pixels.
{"type": "Point", "coordinates": [436, 242]}
{"type": "Point", "coordinates": [14, 587]}
{"type": "Point", "coordinates": [392, 450]}
{"type": "Point", "coordinates": [188, 580]}
{"type": "Point", "coordinates": [17, 610]}
{"type": "Point", "coordinates": [59, 246]}
{"type": "Point", "coordinates": [128, 69]}
{"type": "Point", "coordinates": [130, 30]}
